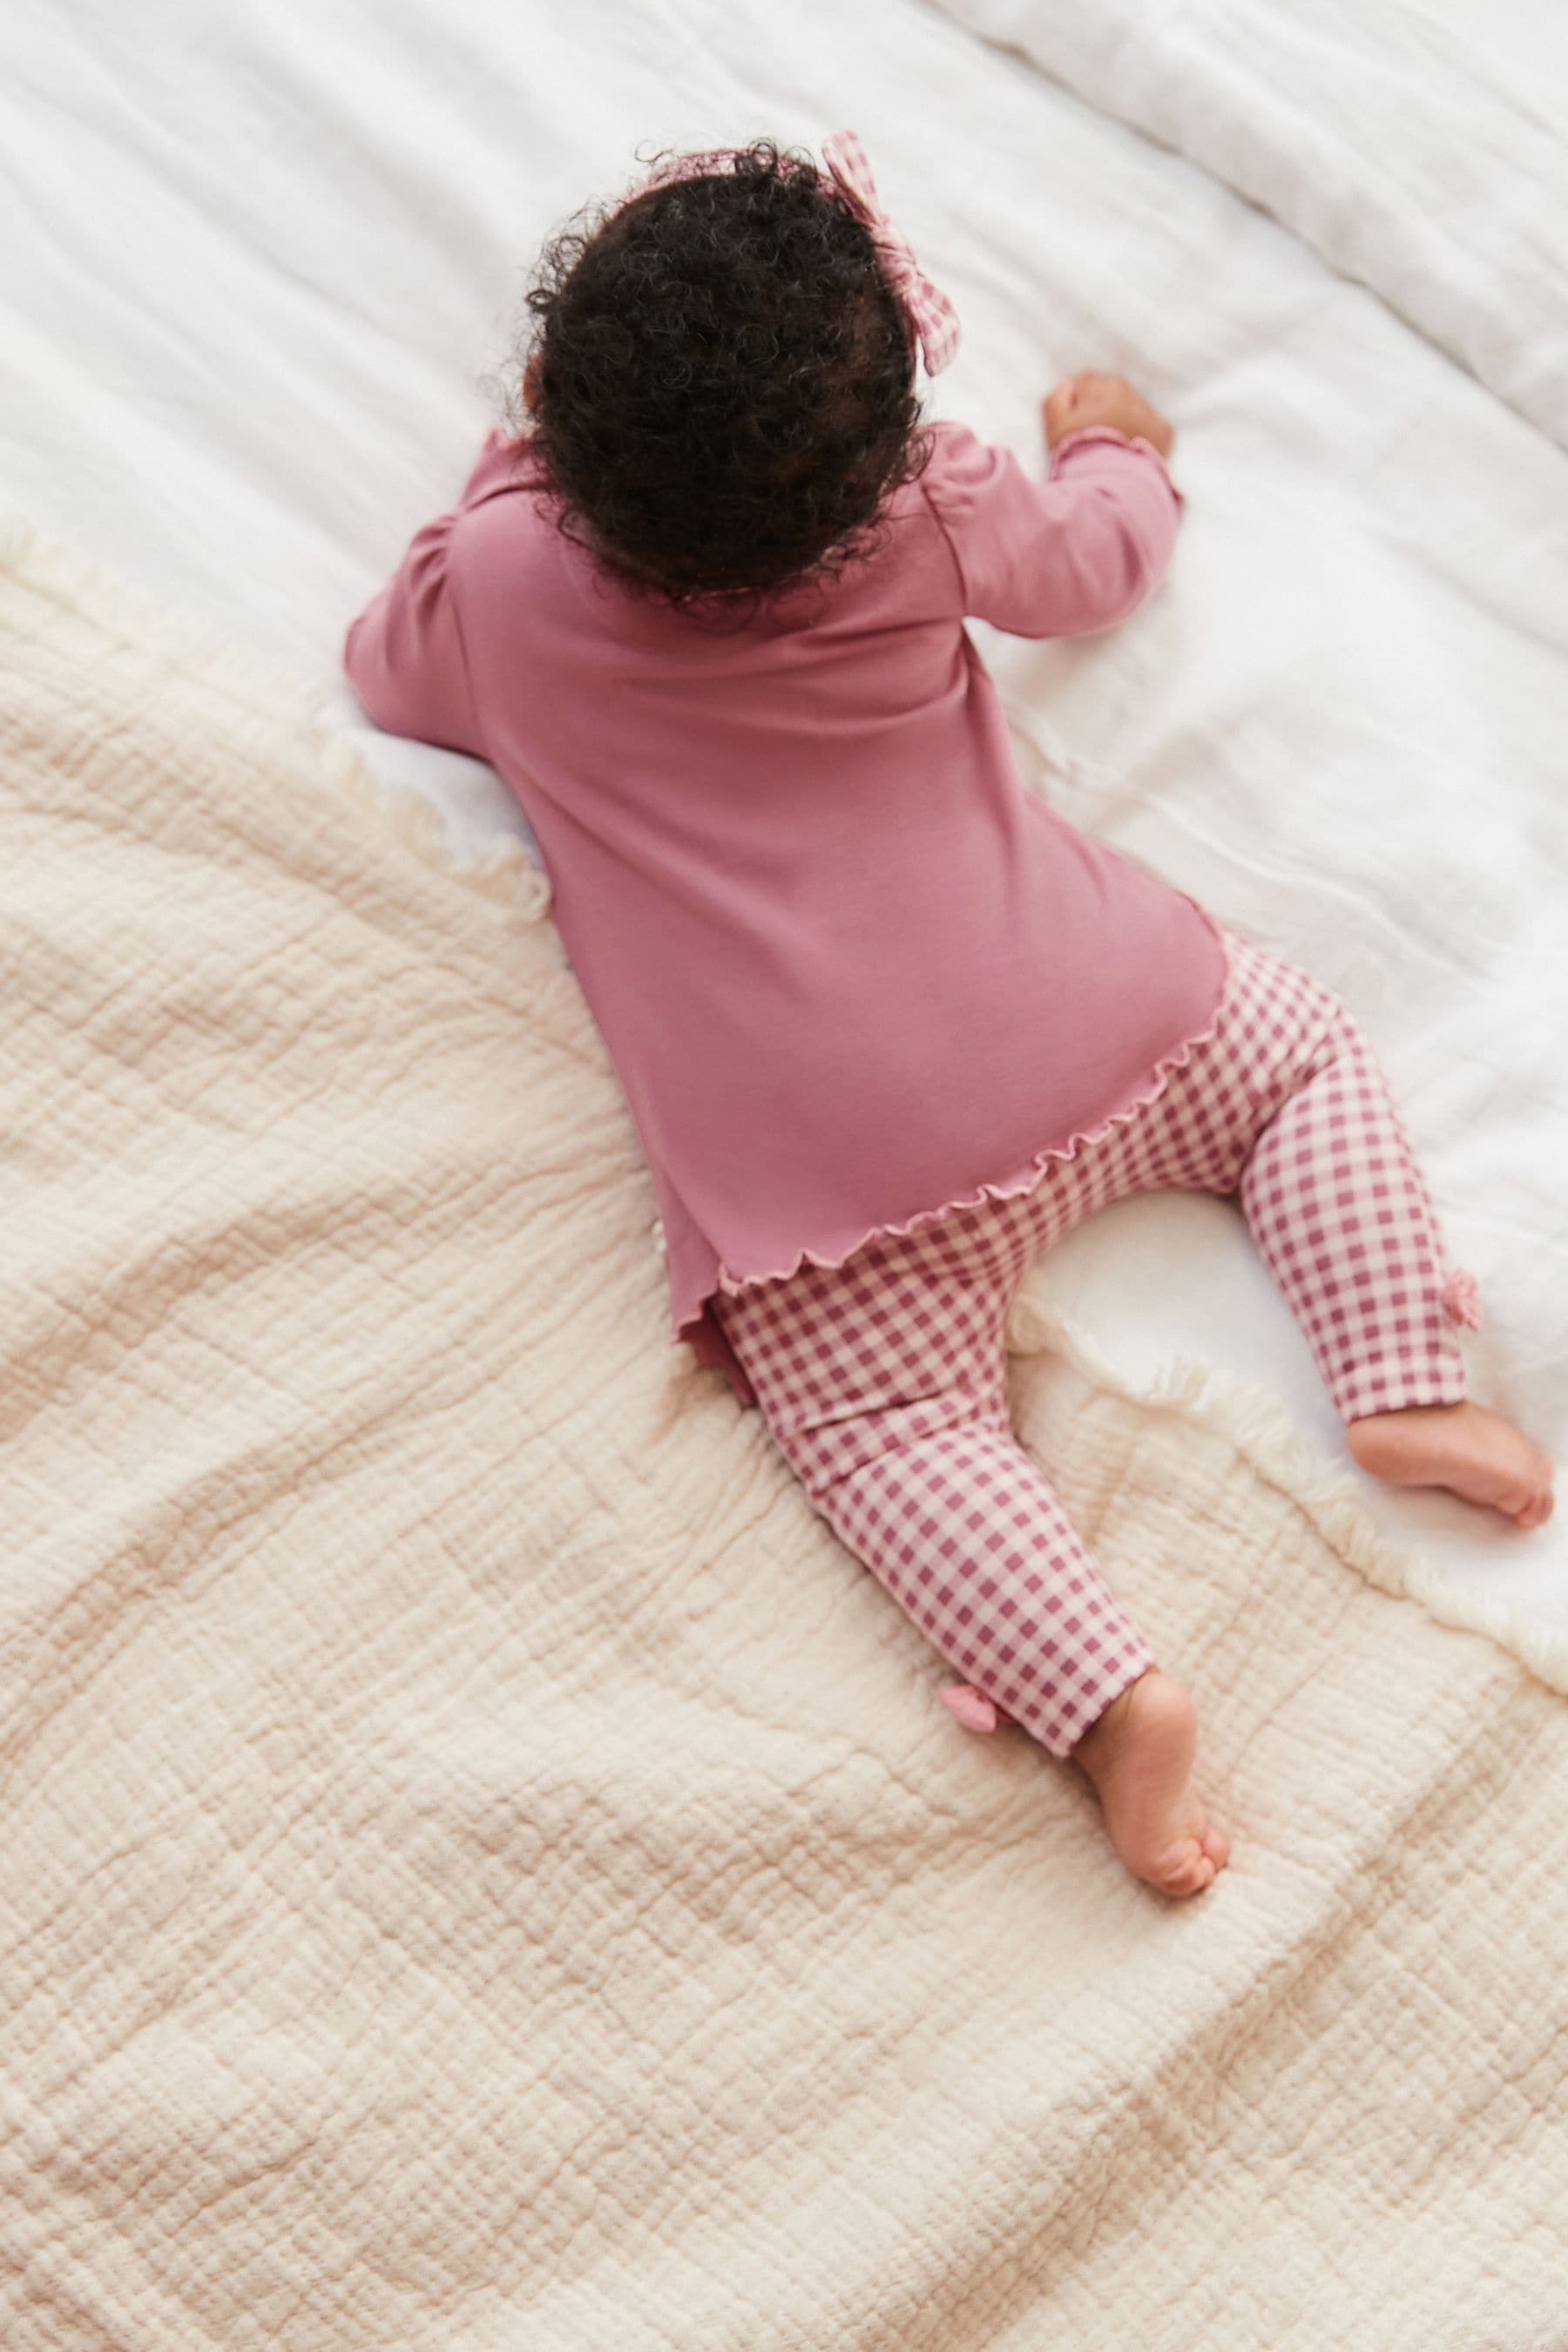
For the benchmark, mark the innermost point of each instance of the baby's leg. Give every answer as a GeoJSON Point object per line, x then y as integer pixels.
{"type": "Point", "coordinates": [1339, 1206]}
{"type": "Point", "coordinates": [964, 1530]}
{"type": "Point", "coordinates": [884, 1384]}
{"type": "Point", "coordinates": [961, 1528]}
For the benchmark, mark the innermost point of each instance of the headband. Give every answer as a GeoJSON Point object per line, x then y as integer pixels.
{"type": "Point", "coordinates": [929, 313]}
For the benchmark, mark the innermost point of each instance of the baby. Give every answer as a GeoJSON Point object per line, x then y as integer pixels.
{"type": "Point", "coordinates": [887, 1025]}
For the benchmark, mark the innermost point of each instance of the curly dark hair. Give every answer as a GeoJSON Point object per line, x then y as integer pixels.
{"type": "Point", "coordinates": [721, 383]}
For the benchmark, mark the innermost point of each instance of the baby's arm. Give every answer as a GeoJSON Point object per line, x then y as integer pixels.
{"type": "Point", "coordinates": [1080, 402]}
{"type": "Point", "coordinates": [405, 653]}
{"type": "Point", "coordinates": [1080, 550]}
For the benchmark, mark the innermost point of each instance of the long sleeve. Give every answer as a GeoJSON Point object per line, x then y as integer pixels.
{"type": "Point", "coordinates": [404, 654]}
{"type": "Point", "coordinates": [1061, 558]}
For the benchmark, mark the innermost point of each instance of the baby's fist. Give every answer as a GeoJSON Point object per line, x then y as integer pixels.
{"type": "Point", "coordinates": [1091, 399]}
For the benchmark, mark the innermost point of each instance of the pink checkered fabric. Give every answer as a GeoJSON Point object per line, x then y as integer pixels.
{"type": "Point", "coordinates": [883, 1380]}
{"type": "Point", "coordinates": [930, 314]}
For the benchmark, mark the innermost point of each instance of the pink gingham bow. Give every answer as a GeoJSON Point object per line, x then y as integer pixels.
{"type": "Point", "coordinates": [930, 314]}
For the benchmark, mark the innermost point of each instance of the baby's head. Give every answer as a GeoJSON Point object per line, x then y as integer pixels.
{"type": "Point", "coordinates": [721, 380]}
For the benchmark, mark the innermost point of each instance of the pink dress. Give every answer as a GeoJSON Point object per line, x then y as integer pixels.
{"type": "Point", "coordinates": [851, 974]}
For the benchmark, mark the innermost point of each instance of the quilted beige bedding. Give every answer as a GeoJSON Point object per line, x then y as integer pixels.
{"type": "Point", "coordinates": [483, 1869]}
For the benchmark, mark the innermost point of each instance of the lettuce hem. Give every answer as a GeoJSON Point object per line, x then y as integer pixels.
{"type": "Point", "coordinates": [697, 1326]}
{"type": "Point", "coordinates": [1126, 441]}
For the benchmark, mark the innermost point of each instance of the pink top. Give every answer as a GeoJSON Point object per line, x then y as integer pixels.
{"type": "Point", "coordinates": [850, 973]}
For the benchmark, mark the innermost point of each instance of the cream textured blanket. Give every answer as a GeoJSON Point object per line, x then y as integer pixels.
{"type": "Point", "coordinates": [483, 1869]}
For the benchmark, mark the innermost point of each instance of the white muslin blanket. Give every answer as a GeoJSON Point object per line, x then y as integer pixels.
{"type": "Point", "coordinates": [484, 1870]}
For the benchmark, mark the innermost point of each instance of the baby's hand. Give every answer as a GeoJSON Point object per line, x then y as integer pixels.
{"type": "Point", "coordinates": [1091, 399]}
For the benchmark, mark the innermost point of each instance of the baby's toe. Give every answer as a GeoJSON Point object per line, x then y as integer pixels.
{"type": "Point", "coordinates": [1216, 1845]}
{"type": "Point", "coordinates": [1184, 1870]}
{"type": "Point", "coordinates": [1539, 1501]}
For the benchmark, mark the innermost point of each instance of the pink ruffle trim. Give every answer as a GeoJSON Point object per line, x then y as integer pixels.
{"type": "Point", "coordinates": [1007, 1188]}
{"type": "Point", "coordinates": [1126, 441]}
{"type": "Point", "coordinates": [1462, 1297]}
{"type": "Point", "coordinates": [973, 1709]}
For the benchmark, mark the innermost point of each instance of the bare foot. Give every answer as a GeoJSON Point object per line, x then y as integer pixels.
{"type": "Point", "coordinates": [1474, 1452]}
{"type": "Point", "coordinates": [1138, 1756]}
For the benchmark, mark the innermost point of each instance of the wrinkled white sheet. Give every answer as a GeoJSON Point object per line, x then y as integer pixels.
{"type": "Point", "coordinates": [1416, 145]}
{"type": "Point", "coordinates": [262, 263]}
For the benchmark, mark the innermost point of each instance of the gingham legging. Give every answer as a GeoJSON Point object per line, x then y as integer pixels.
{"type": "Point", "coordinates": [884, 1382]}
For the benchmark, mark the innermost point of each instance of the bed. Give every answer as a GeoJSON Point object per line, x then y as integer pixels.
{"type": "Point", "coordinates": [264, 284]}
